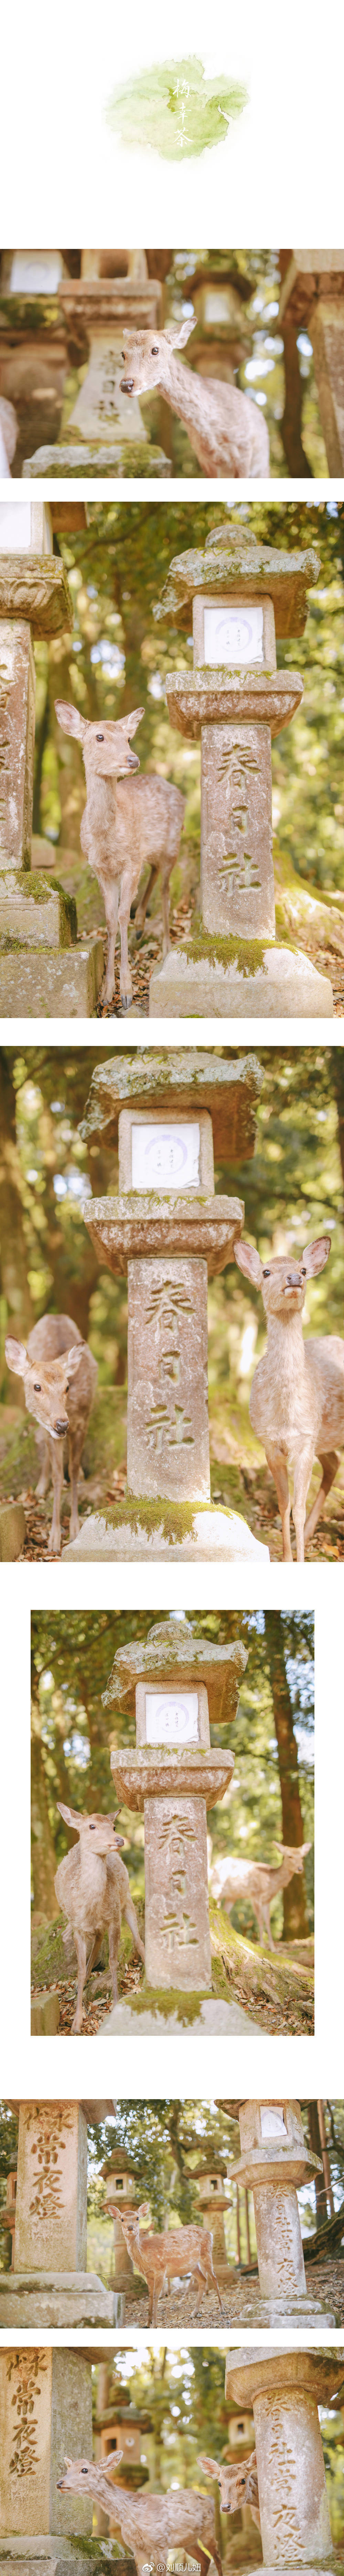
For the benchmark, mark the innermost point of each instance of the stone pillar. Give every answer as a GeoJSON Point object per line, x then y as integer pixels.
{"type": "Point", "coordinates": [170, 1232]}
{"type": "Point", "coordinates": [312, 296]}
{"type": "Point", "coordinates": [274, 2163]}
{"type": "Point", "coordinates": [120, 2185]}
{"type": "Point", "coordinates": [33, 346]}
{"type": "Point", "coordinates": [50, 2284]}
{"type": "Point", "coordinates": [45, 2412]}
{"type": "Point", "coordinates": [213, 2204]}
{"type": "Point", "coordinates": [174, 1775]}
{"type": "Point", "coordinates": [106, 432]}
{"type": "Point", "coordinates": [234, 701]}
{"type": "Point", "coordinates": [48, 977]}
{"type": "Point", "coordinates": [285, 2389]}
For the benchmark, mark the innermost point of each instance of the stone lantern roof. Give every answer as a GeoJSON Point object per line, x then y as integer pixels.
{"type": "Point", "coordinates": [118, 2162]}
{"type": "Point", "coordinates": [35, 587]}
{"type": "Point", "coordinates": [233, 559]}
{"type": "Point", "coordinates": [229, 1088]}
{"type": "Point", "coordinates": [314, 2370]}
{"type": "Point", "coordinates": [172, 1652]}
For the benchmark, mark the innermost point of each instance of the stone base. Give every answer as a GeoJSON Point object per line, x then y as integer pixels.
{"type": "Point", "coordinates": [12, 1531]}
{"type": "Point", "coordinates": [57, 2299]}
{"type": "Point", "coordinates": [35, 911]}
{"type": "Point", "coordinates": [285, 2311]}
{"type": "Point", "coordinates": [212, 1533]}
{"type": "Point", "coordinates": [45, 984]}
{"type": "Point", "coordinates": [210, 2019]}
{"type": "Point", "coordinates": [58, 2554]}
{"type": "Point", "coordinates": [131, 457]}
{"type": "Point", "coordinates": [285, 986]}
{"type": "Point", "coordinates": [45, 2012]}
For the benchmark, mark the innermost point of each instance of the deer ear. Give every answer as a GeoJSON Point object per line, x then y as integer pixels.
{"type": "Point", "coordinates": [69, 2464]}
{"type": "Point", "coordinates": [16, 1355]}
{"type": "Point", "coordinates": [71, 1359]}
{"type": "Point", "coordinates": [107, 2471]}
{"type": "Point", "coordinates": [211, 2467]}
{"type": "Point", "coordinates": [247, 1259]}
{"type": "Point", "coordinates": [316, 1254]}
{"type": "Point", "coordinates": [177, 339]}
{"type": "Point", "coordinates": [132, 721]}
{"type": "Point", "coordinates": [68, 1819]}
{"type": "Point", "coordinates": [69, 719]}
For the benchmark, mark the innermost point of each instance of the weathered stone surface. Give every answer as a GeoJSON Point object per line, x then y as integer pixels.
{"type": "Point", "coordinates": [229, 1089]}
{"type": "Point", "coordinates": [17, 737]}
{"type": "Point", "coordinates": [165, 1153]}
{"type": "Point", "coordinates": [177, 1938]}
{"type": "Point", "coordinates": [101, 410]}
{"type": "Point", "coordinates": [34, 911]}
{"type": "Point", "coordinates": [279, 2241]}
{"type": "Point", "coordinates": [188, 1771]}
{"type": "Point", "coordinates": [25, 524]}
{"type": "Point", "coordinates": [45, 2012]}
{"type": "Point", "coordinates": [284, 986]}
{"type": "Point", "coordinates": [328, 351]}
{"type": "Point", "coordinates": [168, 1429]}
{"type": "Point", "coordinates": [45, 2402]}
{"type": "Point", "coordinates": [130, 458]}
{"type": "Point", "coordinates": [197, 698]}
{"type": "Point", "coordinates": [233, 560]}
{"type": "Point", "coordinates": [47, 2299]}
{"type": "Point", "coordinates": [51, 2205]}
{"type": "Point", "coordinates": [237, 878]}
{"type": "Point", "coordinates": [213, 1533]}
{"type": "Point", "coordinates": [48, 985]}
{"type": "Point", "coordinates": [35, 587]}
{"type": "Point", "coordinates": [285, 2389]}
{"type": "Point", "coordinates": [171, 1648]}
{"type": "Point", "coordinates": [12, 1531]}
{"type": "Point", "coordinates": [214, 2020]}
{"type": "Point", "coordinates": [55, 2555]}
{"type": "Point", "coordinates": [191, 1226]}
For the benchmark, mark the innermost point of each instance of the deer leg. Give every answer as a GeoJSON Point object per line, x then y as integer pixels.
{"type": "Point", "coordinates": [154, 2297]}
{"type": "Point", "coordinates": [56, 1453]}
{"type": "Point", "coordinates": [110, 893]}
{"type": "Point", "coordinates": [75, 1447]}
{"type": "Point", "coordinates": [130, 1918]}
{"type": "Point", "coordinates": [138, 911]}
{"type": "Point", "coordinates": [302, 1474]}
{"type": "Point", "coordinates": [113, 1958]}
{"type": "Point", "coordinates": [280, 1474]}
{"type": "Point", "coordinates": [92, 1955]}
{"type": "Point", "coordinates": [267, 1922]}
{"type": "Point", "coordinates": [125, 982]}
{"type": "Point", "coordinates": [80, 1946]}
{"type": "Point", "coordinates": [213, 2278]}
{"type": "Point", "coordinates": [165, 899]}
{"type": "Point", "coordinates": [42, 1446]}
{"type": "Point", "coordinates": [329, 1466]}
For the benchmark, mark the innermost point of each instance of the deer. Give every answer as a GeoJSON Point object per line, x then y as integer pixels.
{"type": "Point", "coordinates": [170, 2256]}
{"type": "Point", "coordinates": [59, 1377]}
{"type": "Point", "coordinates": [126, 821]}
{"type": "Point", "coordinates": [258, 1881]}
{"type": "Point", "coordinates": [297, 1395]}
{"type": "Point", "coordinates": [92, 1887]}
{"type": "Point", "coordinates": [238, 2483]}
{"type": "Point", "coordinates": [226, 428]}
{"type": "Point", "coordinates": [148, 2523]}
{"type": "Point", "coordinates": [8, 436]}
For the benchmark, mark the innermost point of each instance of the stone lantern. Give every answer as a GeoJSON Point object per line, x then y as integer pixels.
{"type": "Point", "coordinates": [8, 2218]}
{"type": "Point", "coordinates": [42, 971]}
{"type": "Point", "coordinates": [214, 2201]}
{"type": "Point", "coordinates": [274, 2163]}
{"type": "Point", "coordinates": [169, 1232]}
{"type": "Point", "coordinates": [105, 435]}
{"type": "Point", "coordinates": [49, 2284]}
{"type": "Point", "coordinates": [240, 595]}
{"type": "Point", "coordinates": [173, 1776]}
{"type": "Point", "coordinates": [285, 2389]}
{"type": "Point", "coordinates": [45, 2411]}
{"type": "Point", "coordinates": [312, 298]}
{"type": "Point", "coordinates": [120, 2186]}
{"type": "Point", "coordinates": [33, 345]}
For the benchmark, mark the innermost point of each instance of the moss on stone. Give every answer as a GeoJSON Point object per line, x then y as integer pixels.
{"type": "Point", "coordinates": [168, 2000]}
{"type": "Point", "coordinates": [247, 954]}
{"type": "Point", "coordinates": [36, 888]}
{"type": "Point", "coordinates": [49, 1957]}
{"type": "Point", "coordinates": [175, 1519]}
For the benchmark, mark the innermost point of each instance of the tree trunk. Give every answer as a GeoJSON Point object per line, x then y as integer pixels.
{"type": "Point", "coordinates": [338, 1085]}
{"type": "Point", "coordinates": [291, 423]}
{"type": "Point", "coordinates": [295, 1917]}
{"type": "Point", "coordinates": [13, 1239]}
{"type": "Point", "coordinates": [43, 1854]}
{"type": "Point", "coordinates": [319, 2181]}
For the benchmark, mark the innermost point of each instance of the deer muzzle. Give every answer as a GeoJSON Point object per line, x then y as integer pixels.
{"type": "Point", "coordinates": [60, 1428]}
{"type": "Point", "coordinates": [127, 385]}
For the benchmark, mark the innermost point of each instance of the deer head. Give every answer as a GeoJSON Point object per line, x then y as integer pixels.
{"type": "Point", "coordinates": [104, 745]}
{"type": "Point", "coordinates": [237, 2481]}
{"type": "Point", "coordinates": [146, 354]}
{"type": "Point", "coordinates": [81, 2475]}
{"type": "Point", "coordinates": [46, 1384]}
{"type": "Point", "coordinates": [296, 1855]}
{"type": "Point", "coordinates": [282, 1280]}
{"type": "Point", "coordinates": [99, 1832]}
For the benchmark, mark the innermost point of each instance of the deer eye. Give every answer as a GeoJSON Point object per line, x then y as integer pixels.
{"type": "Point", "coordinates": [266, 1274]}
{"type": "Point", "coordinates": [154, 353]}
{"type": "Point", "coordinates": [92, 1831]}
{"type": "Point", "coordinates": [36, 1389]}
{"type": "Point", "coordinates": [84, 2473]}
{"type": "Point", "coordinates": [99, 738]}
{"type": "Point", "coordinates": [303, 1274]}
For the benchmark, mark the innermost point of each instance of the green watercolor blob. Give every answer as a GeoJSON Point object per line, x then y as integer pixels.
{"type": "Point", "coordinates": [174, 109]}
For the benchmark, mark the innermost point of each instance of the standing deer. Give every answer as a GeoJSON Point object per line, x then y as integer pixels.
{"type": "Point", "coordinates": [171, 2256]}
{"type": "Point", "coordinates": [59, 1376]}
{"type": "Point", "coordinates": [182, 2519]}
{"type": "Point", "coordinates": [92, 1887]}
{"type": "Point", "coordinates": [124, 823]}
{"type": "Point", "coordinates": [297, 1396]}
{"type": "Point", "coordinates": [257, 1880]}
{"type": "Point", "coordinates": [238, 2484]}
{"type": "Point", "coordinates": [226, 429]}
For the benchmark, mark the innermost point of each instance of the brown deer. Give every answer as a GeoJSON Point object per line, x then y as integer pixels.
{"type": "Point", "coordinates": [182, 2519]}
{"type": "Point", "coordinates": [226, 428]}
{"type": "Point", "coordinates": [176, 2253]}
{"type": "Point", "coordinates": [257, 1881]}
{"type": "Point", "coordinates": [297, 1396]}
{"type": "Point", "coordinates": [92, 1887]}
{"type": "Point", "coordinates": [124, 823]}
{"type": "Point", "coordinates": [238, 2483]}
{"type": "Point", "coordinates": [59, 1377]}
